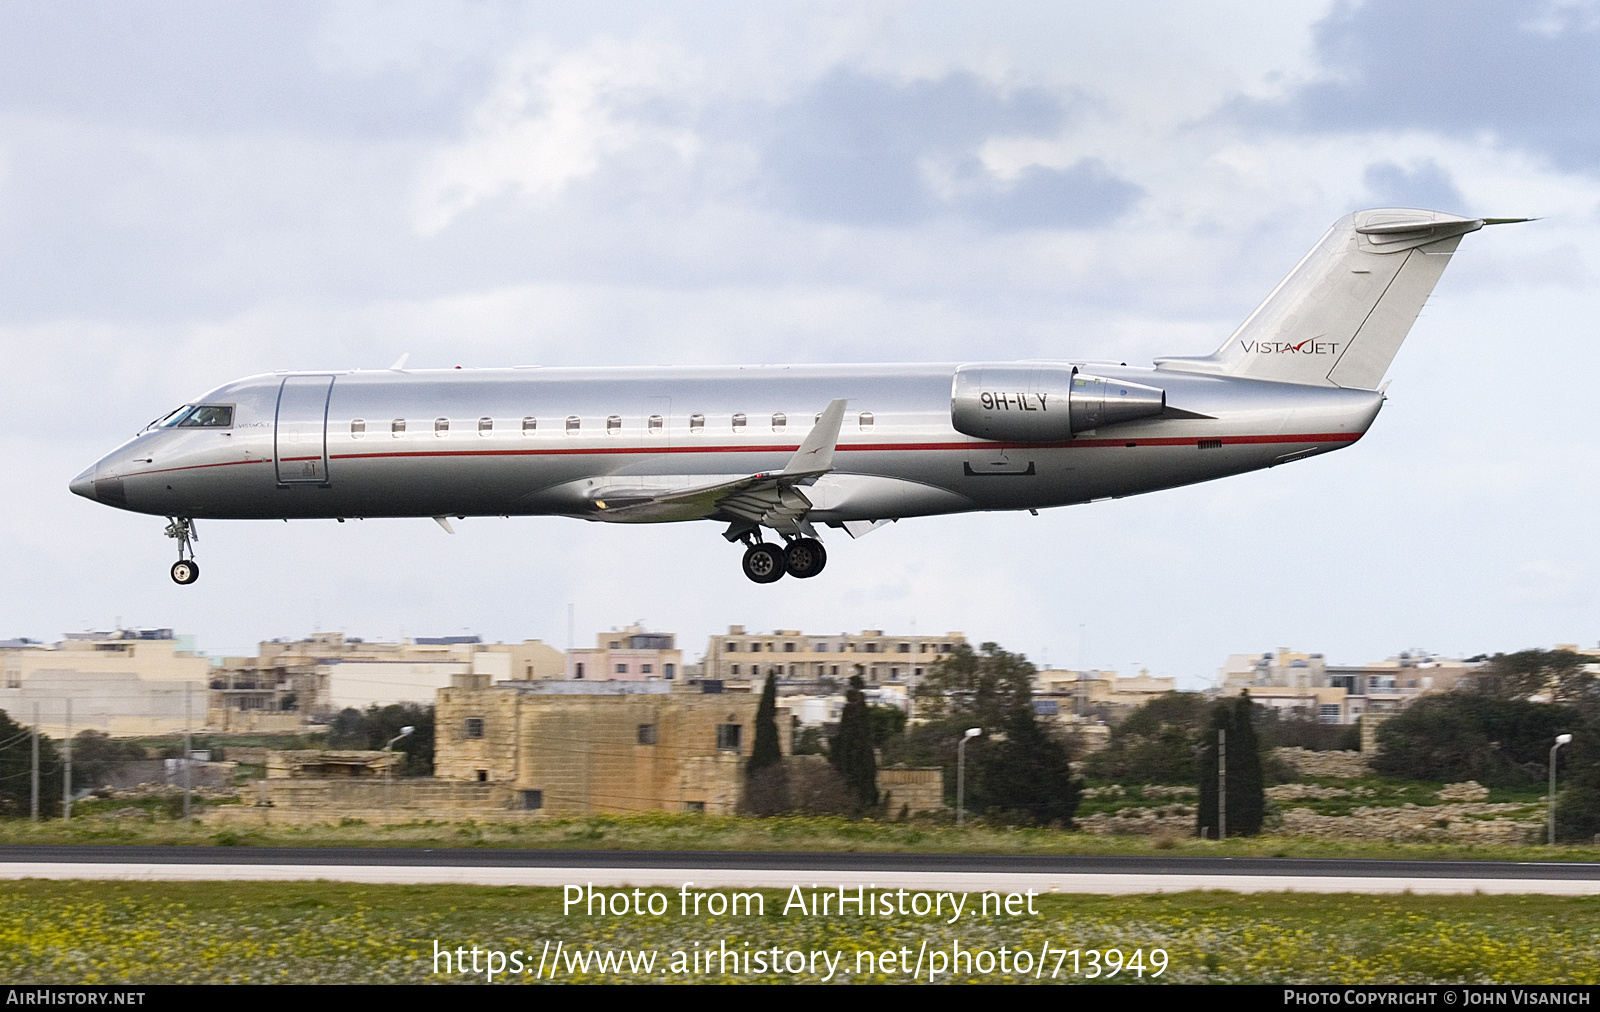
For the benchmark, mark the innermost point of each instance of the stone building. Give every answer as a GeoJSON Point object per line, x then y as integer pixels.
{"type": "Point", "coordinates": [627, 655]}
{"type": "Point", "coordinates": [316, 677]}
{"type": "Point", "coordinates": [123, 682]}
{"type": "Point", "coordinates": [1308, 686]}
{"type": "Point", "coordinates": [797, 656]}
{"type": "Point", "coordinates": [572, 748]}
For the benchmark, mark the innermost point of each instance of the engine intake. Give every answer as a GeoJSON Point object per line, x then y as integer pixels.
{"type": "Point", "coordinates": [1044, 403]}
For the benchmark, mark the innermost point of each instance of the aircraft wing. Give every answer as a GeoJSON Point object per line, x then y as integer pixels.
{"type": "Point", "coordinates": [767, 498]}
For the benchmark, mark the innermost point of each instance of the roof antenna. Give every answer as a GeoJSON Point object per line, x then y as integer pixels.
{"type": "Point", "coordinates": [400, 363]}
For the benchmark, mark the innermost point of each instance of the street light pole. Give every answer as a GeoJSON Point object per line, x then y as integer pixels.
{"type": "Point", "coordinates": [1561, 739]}
{"type": "Point", "coordinates": [961, 774]}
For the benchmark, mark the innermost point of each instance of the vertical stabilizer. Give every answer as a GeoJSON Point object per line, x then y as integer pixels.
{"type": "Point", "coordinates": [1339, 317]}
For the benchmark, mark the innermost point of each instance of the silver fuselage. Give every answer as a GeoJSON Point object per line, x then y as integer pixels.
{"type": "Point", "coordinates": [554, 441]}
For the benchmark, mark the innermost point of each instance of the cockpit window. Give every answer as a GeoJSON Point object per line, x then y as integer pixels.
{"type": "Point", "coordinates": [208, 416]}
{"type": "Point", "coordinates": [170, 418]}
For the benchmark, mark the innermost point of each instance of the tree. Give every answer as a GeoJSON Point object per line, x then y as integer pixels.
{"type": "Point", "coordinates": [1016, 768]}
{"type": "Point", "coordinates": [16, 769]}
{"type": "Point", "coordinates": [96, 755]}
{"type": "Point", "coordinates": [374, 727]}
{"type": "Point", "coordinates": [852, 747]}
{"type": "Point", "coordinates": [1156, 743]}
{"type": "Point", "coordinates": [1246, 791]}
{"type": "Point", "coordinates": [1466, 736]}
{"type": "Point", "coordinates": [766, 780]}
{"type": "Point", "coordinates": [1555, 675]}
{"type": "Point", "coordinates": [1578, 804]}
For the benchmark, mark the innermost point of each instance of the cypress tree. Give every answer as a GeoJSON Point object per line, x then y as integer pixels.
{"type": "Point", "coordinates": [1247, 800]}
{"type": "Point", "coordinates": [852, 747]}
{"type": "Point", "coordinates": [766, 751]}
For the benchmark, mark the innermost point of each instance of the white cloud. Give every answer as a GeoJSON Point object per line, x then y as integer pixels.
{"type": "Point", "coordinates": [553, 118]}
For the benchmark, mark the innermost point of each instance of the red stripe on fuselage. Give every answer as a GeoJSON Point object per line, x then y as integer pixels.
{"type": "Point", "coordinates": [1076, 444]}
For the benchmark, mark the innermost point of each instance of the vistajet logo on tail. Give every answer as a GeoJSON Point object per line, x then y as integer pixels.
{"type": "Point", "coordinates": [1310, 346]}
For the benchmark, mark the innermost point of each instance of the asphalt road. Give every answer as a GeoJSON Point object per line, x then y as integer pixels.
{"type": "Point", "coordinates": [714, 869]}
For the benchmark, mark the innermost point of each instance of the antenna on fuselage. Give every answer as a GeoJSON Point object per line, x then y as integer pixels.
{"type": "Point", "coordinates": [400, 363]}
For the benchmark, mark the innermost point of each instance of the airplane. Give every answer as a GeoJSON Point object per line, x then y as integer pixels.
{"type": "Point", "coordinates": [791, 449]}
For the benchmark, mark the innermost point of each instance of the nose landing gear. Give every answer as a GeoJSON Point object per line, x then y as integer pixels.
{"type": "Point", "coordinates": [185, 571]}
{"type": "Point", "coordinates": [765, 562]}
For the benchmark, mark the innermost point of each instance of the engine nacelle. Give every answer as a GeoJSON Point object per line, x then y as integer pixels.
{"type": "Point", "coordinates": [1044, 403]}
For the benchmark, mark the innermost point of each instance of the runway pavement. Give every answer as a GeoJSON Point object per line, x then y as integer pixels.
{"type": "Point", "coordinates": [748, 869]}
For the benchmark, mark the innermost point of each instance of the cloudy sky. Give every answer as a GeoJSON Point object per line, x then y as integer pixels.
{"type": "Point", "coordinates": [192, 192]}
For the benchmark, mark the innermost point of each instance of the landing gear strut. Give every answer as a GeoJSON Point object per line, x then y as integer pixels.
{"type": "Point", "coordinates": [185, 571]}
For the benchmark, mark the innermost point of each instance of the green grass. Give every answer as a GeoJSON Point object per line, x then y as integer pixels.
{"type": "Point", "coordinates": [322, 932]}
{"type": "Point", "coordinates": [662, 831]}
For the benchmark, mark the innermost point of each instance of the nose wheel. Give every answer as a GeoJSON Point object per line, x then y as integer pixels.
{"type": "Point", "coordinates": [185, 571]}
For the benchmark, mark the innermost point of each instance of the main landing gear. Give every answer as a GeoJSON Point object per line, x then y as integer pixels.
{"type": "Point", "coordinates": [185, 571]}
{"type": "Point", "coordinates": [802, 559]}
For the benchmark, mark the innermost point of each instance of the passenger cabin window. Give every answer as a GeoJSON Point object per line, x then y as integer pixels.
{"type": "Point", "coordinates": [654, 424]}
{"type": "Point", "coordinates": [738, 423]}
{"type": "Point", "coordinates": [613, 424]}
{"type": "Point", "coordinates": [485, 426]}
{"type": "Point", "coordinates": [397, 428]}
{"type": "Point", "coordinates": [530, 425]}
{"type": "Point", "coordinates": [779, 420]}
{"type": "Point", "coordinates": [573, 424]}
{"type": "Point", "coordinates": [441, 427]}
{"type": "Point", "coordinates": [358, 428]}
{"type": "Point", "coordinates": [208, 416]}
{"type": "Point", "coordinates": [866, 421]}
{"type": "Point", "coordinates": [697, 423]}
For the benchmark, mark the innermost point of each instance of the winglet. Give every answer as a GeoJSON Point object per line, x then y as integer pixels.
{"type": "Point", "coordinates": [815, 455]}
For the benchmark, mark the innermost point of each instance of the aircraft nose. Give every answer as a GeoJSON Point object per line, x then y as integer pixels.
{"type": "Point", "coordinates": [83, 485]}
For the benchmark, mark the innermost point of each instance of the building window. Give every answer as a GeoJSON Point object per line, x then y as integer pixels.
{"type": "Point", "coordinates": [872, 648]}
{"type": "Point", "coordinates": [13, 678]}
{"type": "Point", "coordinates": [358, 428]}
{"type": "Point", "coordinates": [697, 423]}
{"type": "Point", "coordinates": [485, 426]}
{"type": "Point", "coordinates": [441, 427]}
{"type": "Point", "coordinates": [733, 648]}
{"type": "Point", "coordinates": [622, 669]}
{"type": "Point", "coordinates": [945, 648]}
{"type": "Point", "coordinates": [695, 806]}
{"type": "Point", "coordinates": [532, 801]}
{"type": "Point", "coordinates": [654, 425]}
{"type": "Point", "coordinates": [646, 669]}
{"type": "Point", "coordinates": [736, 669]}
{"type": "Point", "coordinates": [671, 671]}
{"type": "Point", "coordinates": [579, 672]}
{"type": "Point", "coordinates": [647, 734]}
{"type": "Point", "coordinates": [397, 428]}
{"type": "Point", "coordinates": [788, 648]}
{"type": "Point", "coordinates": [530, 425]}
{"type": "Point", "coordinates": [474, 727]}
{"type": "Point", "coordinates": [728, 737]}
{"type": "Point", "coordinates": [483, 776]}
{"type": "Point", "coordinates": [866, 421]}
{"type": "Point", "coordinates": [904, 648]}
{"type": "Point", "coordinates": [821, 648]}
{"type": "Point", "coordinates": [573, 425]}
{"type": "Point", "coordinates": [1328, 713]}
{"type": "Point", "coordinates": [738, 423]}
{"type": "Point", "coordinates": [918, 672]}
{"type": "Point", "coordinates": [613, 424]}
{"type": "Point", "coordinates": [834, 671]}
{"type": "Point", "coordinates": [894, 674]}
